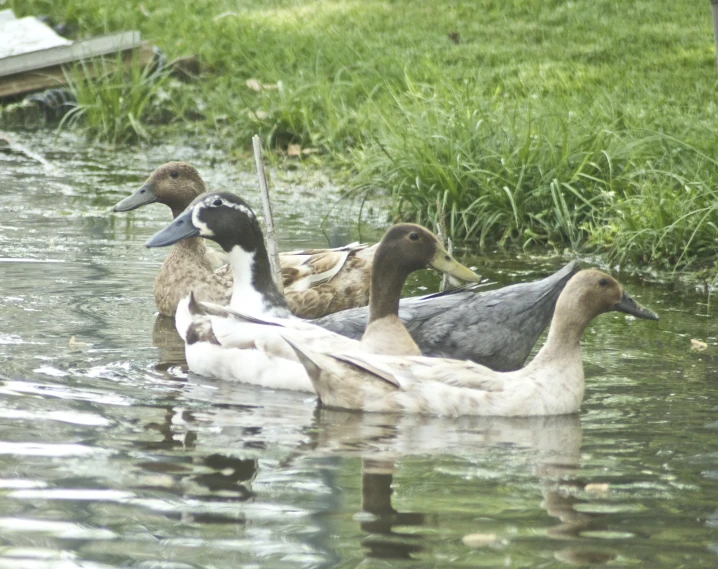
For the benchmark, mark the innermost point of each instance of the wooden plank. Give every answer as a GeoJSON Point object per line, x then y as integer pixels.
{"type": "Point", "coordinates": [44, 58]}
{"type": "Point", "coordinates": [27, 82]}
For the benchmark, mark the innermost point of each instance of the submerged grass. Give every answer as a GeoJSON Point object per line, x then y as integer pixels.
{"type": "Point", "coordinates": [590, 124]}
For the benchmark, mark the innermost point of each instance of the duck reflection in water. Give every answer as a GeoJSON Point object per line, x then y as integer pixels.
{"type": "Point", "coordinates": [550, 444]}
{"type": "Point", "coordinates": [213, 477]}
{"type": "Point", "coordinates": [376, 490]}
{"type": "Point", "coordinates": [169, 344]}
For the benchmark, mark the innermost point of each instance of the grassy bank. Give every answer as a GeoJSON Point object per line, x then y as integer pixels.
{"type": "Point", "coordinates": [590, 124]}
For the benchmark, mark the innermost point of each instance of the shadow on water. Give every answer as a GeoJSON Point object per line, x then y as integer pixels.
{"type": "Point", "coordinates": [169, 344]}
{"type": "Point", "coordinates": [112, 455]}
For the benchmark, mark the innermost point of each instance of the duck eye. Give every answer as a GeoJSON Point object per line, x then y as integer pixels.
{"type": "Point", "coordinates": [413, 236]}
{"type": "Point", "coordinates": [603, 282]}
{"type": "Point", "coordinates": [217, 202]}
{"type": "Point", "coordinates": [174, 174]}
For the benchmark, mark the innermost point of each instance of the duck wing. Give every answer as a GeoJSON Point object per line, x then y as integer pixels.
{"type": "Point", "coordinates": [496, 328]}
{"type": "Point", "coordinates": [220, 344]}
{"type": "Point", "coordinates": [311, 267]}
{"type": "Point", "coordinates": [394, 384]}
{"type": "Point", "coordinates": [318, 282]}
{"type": "Point", "coordinates": [233, 329]}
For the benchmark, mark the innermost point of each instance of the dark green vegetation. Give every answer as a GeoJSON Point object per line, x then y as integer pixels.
{"type": "Point", "coordinates": [586, 123]}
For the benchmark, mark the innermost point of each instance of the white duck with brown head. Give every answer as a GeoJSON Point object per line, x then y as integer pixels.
{"type": "Point", "coordinates": [551, 384]}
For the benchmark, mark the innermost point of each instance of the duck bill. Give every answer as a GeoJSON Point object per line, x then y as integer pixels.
{"type": "Point", "coordinates": [180, 228]}
{"type": "Point", "coordinates": [630, 306]}
{"type": "Point", "coordinates": [145, 195]}
{"type": "Point", "coordinates": [445, 263]}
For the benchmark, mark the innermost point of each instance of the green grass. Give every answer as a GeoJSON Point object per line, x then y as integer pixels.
{"type": "Point", "coordinates": [113, 102]}
{"type": "Point", "coordinates": [589, 124]}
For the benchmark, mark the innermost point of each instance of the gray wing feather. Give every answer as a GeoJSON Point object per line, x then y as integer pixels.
{"type": "Point", "coordinates": [496, 328]}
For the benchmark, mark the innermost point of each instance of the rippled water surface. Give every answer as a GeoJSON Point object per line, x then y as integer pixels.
{"type": "Point", "coordinates": [111, 455]}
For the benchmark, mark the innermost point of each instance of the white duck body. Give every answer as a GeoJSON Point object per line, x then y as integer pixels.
{"type": "Point", "coordinates": [552, 383]}
{"type": "Point", "coordinates": [242, 343]}
{"type": "Point", "coordinates": [226, 346]}
{"type": "Point", "coordinates": [245, 352]}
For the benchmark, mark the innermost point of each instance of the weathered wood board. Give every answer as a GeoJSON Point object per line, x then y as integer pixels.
{"type": "Point", "coordinates": [43, 68]}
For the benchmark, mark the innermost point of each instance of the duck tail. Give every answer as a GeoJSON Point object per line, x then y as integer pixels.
{"type": "Point", "coordinates": [330, 387]}
{"type": "Point", "coordinates": [183, 317]}
{"type": "Point", "coordinates": [553, 284]}
{"type": "Point", "coordinates": [195, 308]}
{"type": "Point", "coordinates": [307, 358]}
{"type": "Point", "coordinates": [200, 330]}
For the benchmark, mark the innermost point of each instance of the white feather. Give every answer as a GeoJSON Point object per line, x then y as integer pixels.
{"type": "Point", "coordinates": [247, 366]}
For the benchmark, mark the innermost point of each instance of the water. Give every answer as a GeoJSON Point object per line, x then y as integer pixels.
{"type": "Point", "coordinates": [111, 455]}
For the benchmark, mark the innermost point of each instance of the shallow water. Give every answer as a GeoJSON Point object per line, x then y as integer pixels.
{"type": "Point", "coordinates": [111, 455]}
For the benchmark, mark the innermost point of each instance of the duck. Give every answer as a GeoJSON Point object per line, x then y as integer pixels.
{"type": "Point", "coordinates": [190, 265]}
{"type": "Point", "coordinates": [316, 281]}
{"type": "Point", "coordinates": [496, 328]}
{"type": "Point", "coordinates": [241, 342]}
{"type": "Point", "coordinates": [551, 384]}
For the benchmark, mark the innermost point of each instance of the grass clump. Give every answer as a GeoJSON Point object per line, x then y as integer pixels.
{"type": "Point", "coordinates": [507, 175]}
{"type": "Point", "coordinates": [113, 102]}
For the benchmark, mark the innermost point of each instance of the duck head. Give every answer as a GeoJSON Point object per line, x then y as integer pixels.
{"type": "Point", "coordinates": [174, 184]}
{"type": "Point", "coordinates": [227, 220]}
{"type": "Point", "coordinates": [411, 247]}
{"type": "Point", "coordinates": [406, 248]}
{"type": "Point", "coordinates": [594, 292]}
{"type": "Point", "coordinates": [220, 216]}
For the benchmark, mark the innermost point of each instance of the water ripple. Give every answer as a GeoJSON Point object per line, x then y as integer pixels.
{"type": "Point", "coordinates": [47, 449]}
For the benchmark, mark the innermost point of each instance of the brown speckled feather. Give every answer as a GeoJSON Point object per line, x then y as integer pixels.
{"type": "Point", "coordinates": [349, 288]}
{"type": "Point", "coordinates": [188, 267]}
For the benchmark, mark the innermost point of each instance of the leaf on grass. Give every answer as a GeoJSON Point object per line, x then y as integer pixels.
{"type": "Point", "coordinates": [256, 86]}
{"type": "Point", "coordinates": [697, 345]}
{"type": "Point", "coordinates": [480, 539]}
{"type": "Point", "coordinates": [257, 115]}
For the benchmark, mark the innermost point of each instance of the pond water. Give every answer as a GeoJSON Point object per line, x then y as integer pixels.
{"type": "Point", "coordinates": [112, 455]}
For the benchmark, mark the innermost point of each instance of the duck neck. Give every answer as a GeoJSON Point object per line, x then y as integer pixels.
{"type": "Point", "coordinates": [176, 210]}
{"type": "Point", "coordinates": [386, 288]}
{"type": "Point", "coordinates": [254, 291]}
{"type": "Point", "coordinates": [194, 246]}
{"type": "Point", "coordinates": [564, 336]}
